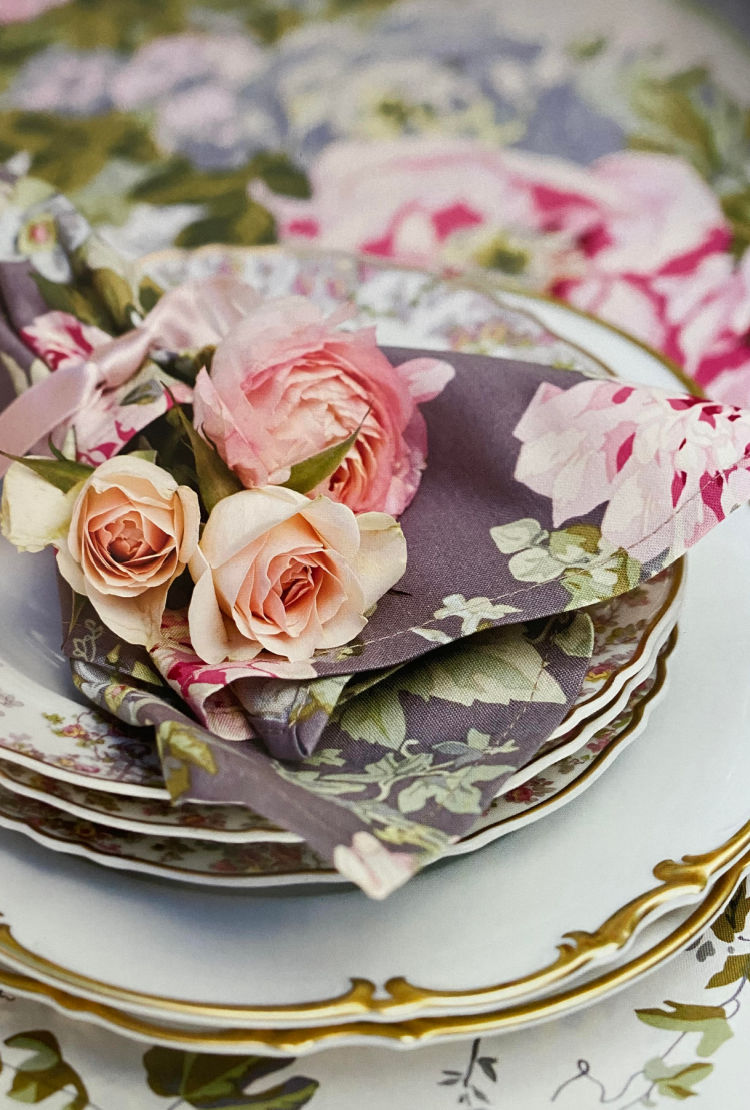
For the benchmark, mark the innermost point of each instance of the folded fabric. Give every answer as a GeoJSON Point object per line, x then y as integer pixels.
{"type": "Point", "coordinates": [545, 492]}
{"type": "Point", "coordinates": [403, 768]}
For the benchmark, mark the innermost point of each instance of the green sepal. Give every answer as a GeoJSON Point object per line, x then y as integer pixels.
{"type": "Point", "coordinates": [61, 473]}
{"type": "Point", "coordinates": [215, 480]}
{"type": "Point", "coordinates": [115, 293]}
{"type": "Point", "coordinates": [149, 294]}
{"type": "Point", "coordinates": [306, 475]}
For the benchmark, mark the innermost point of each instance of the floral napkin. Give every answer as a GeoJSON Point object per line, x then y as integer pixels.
{"type": "Point", "coordinates": [544, 492]}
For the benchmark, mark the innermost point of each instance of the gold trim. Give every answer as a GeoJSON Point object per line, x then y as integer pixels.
{"type": "Point", "coordinates": [677, 880]}
{"type": "Point", "coordinates": [407, 1033]}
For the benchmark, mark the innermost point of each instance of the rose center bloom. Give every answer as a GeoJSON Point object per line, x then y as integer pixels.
{"type": "Point", "coordinates": [279, 572]}
{"type": "Point", "coordinates": [124, 540]}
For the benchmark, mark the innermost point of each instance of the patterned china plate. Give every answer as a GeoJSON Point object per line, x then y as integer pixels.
{"type": "Point", "coordinates": [464, 948]}
{"type": "Point", "coordinates": [629, 633]}
{"type": "Point", "coordinates": [181, 851]}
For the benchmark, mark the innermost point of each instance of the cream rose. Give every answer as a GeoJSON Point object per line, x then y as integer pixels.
{"type": "Point", "coordinates": [133, 529]}
{"type": "Point", "coordinates": [278, 572]}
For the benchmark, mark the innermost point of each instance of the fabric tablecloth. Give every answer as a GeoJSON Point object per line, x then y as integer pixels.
{"type": "Point", "coordinates": [177, 123]}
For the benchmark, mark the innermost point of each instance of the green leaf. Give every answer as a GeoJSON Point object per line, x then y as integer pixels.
{"type": "Point", "coordinates": [249, 224]}
{"type": "Point", "coordinates": [63, 474]}
{"type": "Point", "coordinates": [215, 480]}
{"type": "Point", "coordinates": [116, 294]}
{"type": "Point", "coordinates": [281, 175]}
{"type": "Point", "coordinates": [678, 1080]}
{"type": "Point", "coordinates": [709, 1021]}
{"type": "Point", "coordinates": [205, 1081]}
{"type": "Point", "coordinates": [735, 967]}
{"type": "Point", "coordinates": [306, 475]}
{"type": "Point", "coordinates": [493, 667]}
{"type": "Point", "coordinates": [736, 208]}
{"type": "Point", "coordinates": [44, 1072]}
{"type": "Point", "coordinates": [145, 393]}
{"type": "Point", "coordinates": [676, 124]}
{"type": "Point", "coordinates": [577, 638]}
{"type": "Point", "coordinates": [68, 151]}
{"type": "Point", "coordinates": [294, 1093]}
{"type": "Point", "coordinates": [64, 298]}
{"type": "Point", "coordinates": [377, 718]}
{"type": "Point", "coordinates": [149, 294]}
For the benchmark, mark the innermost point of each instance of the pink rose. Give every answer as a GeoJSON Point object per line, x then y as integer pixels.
{"type": "Point", "coordinates": [286, 384]}
{"type": "Point", "coordinates": [132, 531]}
{"type": "Point", "coordinates": [278, 572]}
{"type": "Point", "coordinates": [668, 467]}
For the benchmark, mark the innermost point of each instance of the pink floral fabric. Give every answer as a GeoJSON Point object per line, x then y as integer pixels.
{"type": "Point", "coordinates": [638, 239]}
{"type": "Point", "coordinates": [668, 468]}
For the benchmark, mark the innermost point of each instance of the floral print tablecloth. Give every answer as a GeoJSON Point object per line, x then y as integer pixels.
{"type": "Point", "coordinates": [598, 152]}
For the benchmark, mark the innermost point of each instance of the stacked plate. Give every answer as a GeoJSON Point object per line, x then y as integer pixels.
{"type": "Point", "coordinates": [470, 945]}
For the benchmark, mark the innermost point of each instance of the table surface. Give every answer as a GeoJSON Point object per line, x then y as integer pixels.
{"type": "Point", "coordinates": [156, 138]}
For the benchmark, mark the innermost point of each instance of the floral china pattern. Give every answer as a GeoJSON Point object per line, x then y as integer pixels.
{"type": "Point", "coordinates": [90, 749]}
{"type": "Point", "coordinates": [410, 307]}
{"type": "Point", "coordinates": [269, 861]}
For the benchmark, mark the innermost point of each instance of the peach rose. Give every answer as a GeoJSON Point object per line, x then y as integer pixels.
{"type": "Point", "coordinates": [133, 529]}
{"type": "Point", "coordinates": [285, 384]}
{"type": "Point", "coordinates": [279, 572]}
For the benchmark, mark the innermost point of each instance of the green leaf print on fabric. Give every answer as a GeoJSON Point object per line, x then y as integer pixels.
{"type": "Point", "coordinates": [587, 566]}
{"type": "Point", "coordinates": [49, 139]}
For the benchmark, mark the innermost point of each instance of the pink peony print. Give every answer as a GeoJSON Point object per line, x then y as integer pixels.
{"type": "Point", "coordinates": [638, 239]}
{"type": "Point", "coordinates": [667, 468]}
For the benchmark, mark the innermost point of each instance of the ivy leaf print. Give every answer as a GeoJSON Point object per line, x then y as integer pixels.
{"type": "Point", "coordinates": [494, 667]}
{"type": "Point", "coordinates": [735, 967]}
{"type": "Point", "coordinates": [710, 1021]}
{"type": "Point", "coordinates": [676, 1081]}
{"type": "Point", "coordinates": [376, 719]}
{"type": "Point", "coordinates": [44, 1072]}
{"type": "Point", "coordinates": [207, 1081]}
